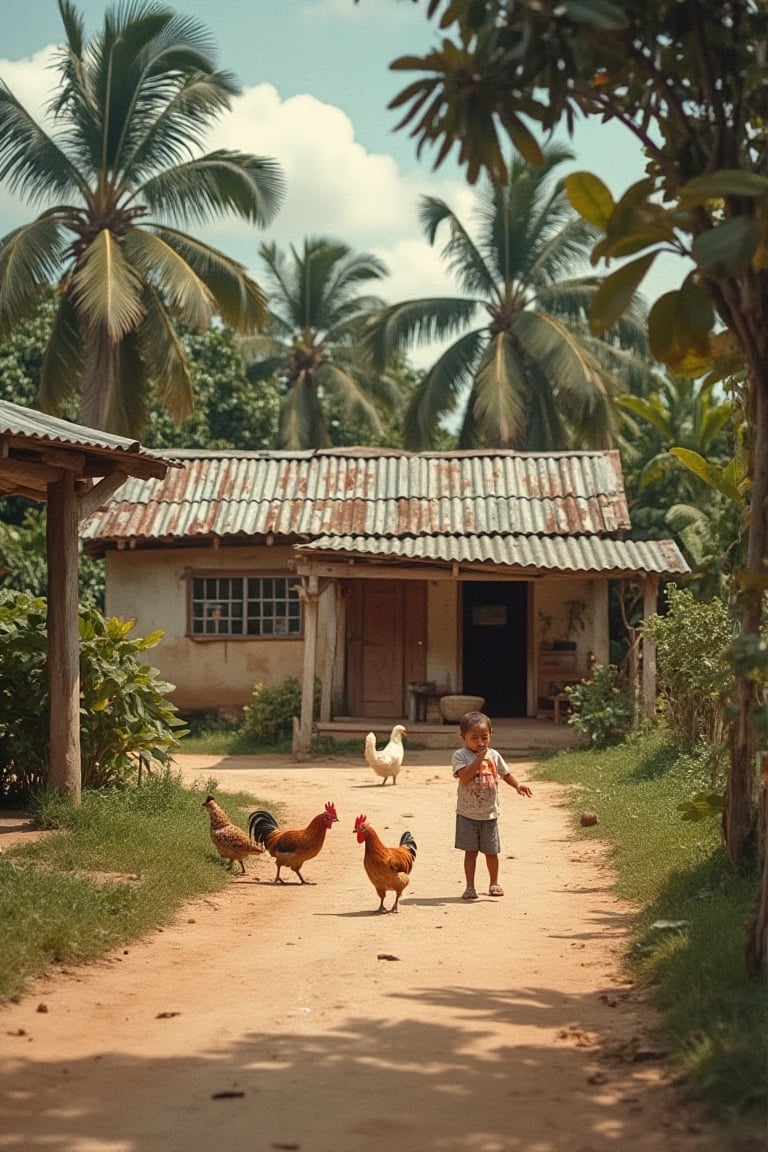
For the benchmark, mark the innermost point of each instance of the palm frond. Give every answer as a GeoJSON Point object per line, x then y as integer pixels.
{"type": "Point", "coordinates": [240, 301]}
{"type": "Point", "coordinates": [31, 163]}
{"type": "Point", "coordinates": [30, 258]}
{"type": "Point", "coordinates": [158, 262]}
{"type": "Point", "coordinates": [62, 367]}
{"type": "Point", "coordinates": [573, 374]}
{"type": "Point", "coordinates": [334, 380]}
{"type": "Point", "coordinates": [498, 396]}
{"type": "Point", "coordinates": [440, 390]}
{"type": "Point", "coordinates": [464, 259]}
{"type": "Point", "coordinates": [165, 358]}
{"type": "Point", "coordinates": [106, 289]}
{"type": "Point", "coordinates": [413, 323]}
{"type": "Point", "coordinates": [250, 187]}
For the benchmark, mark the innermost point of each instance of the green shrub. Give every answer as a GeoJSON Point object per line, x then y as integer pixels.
{"type": "Point", "coordinates": [269, 717]}
{"type": "Point", "coordinates": [124, 711]}
{"type": "Point", "coordinates": [601, 708]}
{"type": "Point", "coordinates": [693, 642]}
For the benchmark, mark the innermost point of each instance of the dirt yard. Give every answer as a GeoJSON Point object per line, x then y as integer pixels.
{"type": "Point", "coordinates": [294, 1017]}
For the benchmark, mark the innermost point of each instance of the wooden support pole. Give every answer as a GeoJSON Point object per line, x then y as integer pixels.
{"type": "Point", "coordinates": [650, 607]}
{"type": "Point", "coordinates": [64, 768]}
{"type": "Point", "coordinates": [303, 738]}
{"type": "Point", "coordinates": [328, 603]}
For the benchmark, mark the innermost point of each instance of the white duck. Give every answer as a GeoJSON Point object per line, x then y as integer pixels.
{"type": "Point", "coordinates": [387, 761]}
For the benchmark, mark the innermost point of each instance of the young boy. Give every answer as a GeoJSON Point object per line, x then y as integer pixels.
{"type": "Point", "coordinates": [478, 768]}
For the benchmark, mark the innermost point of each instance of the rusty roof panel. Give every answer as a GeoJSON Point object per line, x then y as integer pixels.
{"type": "Point", "coordinates": [548, 553]}
{"type": "Point", "coordinates": [370, 492]}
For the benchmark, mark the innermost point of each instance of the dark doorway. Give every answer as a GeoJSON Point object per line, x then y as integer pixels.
{"type": "Point", "coordinates": [495, 630]}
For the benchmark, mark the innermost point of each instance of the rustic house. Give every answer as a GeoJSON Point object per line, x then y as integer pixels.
{"type": "Point", "coordinates": [393, 577]}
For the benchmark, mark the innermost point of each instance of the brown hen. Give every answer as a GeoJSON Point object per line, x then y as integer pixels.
{"type": "Point", "coordinates": [291, 847]}
{"type": "Point", "coordinates": [230, 842]}
{"type": "Point", "coordinates": [388, 869]}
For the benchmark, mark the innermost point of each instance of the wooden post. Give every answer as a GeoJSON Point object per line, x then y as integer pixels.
{"type": "Point", "coordinates": [328, 603]}
{"type": "Point", "coordinates": [64, 767]}
{"type": "Point", "coordinates": [303, 739]}
{"type": "Point", "coordinates": [650, 607]}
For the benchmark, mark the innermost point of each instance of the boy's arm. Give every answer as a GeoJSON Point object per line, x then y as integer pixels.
{"type": "Point", "coordinates": [469, 771]}
{"type": "Point", "coordinates": [521, 789]}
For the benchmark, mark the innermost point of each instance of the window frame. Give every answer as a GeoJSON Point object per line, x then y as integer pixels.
{"type": "Point", "coordinates": [289, 595]}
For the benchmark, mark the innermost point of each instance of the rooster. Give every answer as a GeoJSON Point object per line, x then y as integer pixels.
{"type": "Point", "coordinates": [291, 847]}
{"type": "Point", "coordinates": [231, 842]}
{"type": "Point", "coordinates": [388, 869]}
{"type": "Point", "coordinates": [389, 760]}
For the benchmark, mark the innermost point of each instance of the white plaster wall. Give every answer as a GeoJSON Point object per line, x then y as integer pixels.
{"type": "Point", "coordinates": [150, 588]}
{"type": "Point", "coordinates": [550, 599]}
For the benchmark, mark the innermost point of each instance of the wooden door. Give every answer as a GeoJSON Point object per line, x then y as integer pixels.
{"type": "Point", "coordinates": [386, 645]}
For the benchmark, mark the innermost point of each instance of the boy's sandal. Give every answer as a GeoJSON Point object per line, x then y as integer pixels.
{"type": "Point", "coordinates": [495, 890]}
{"type": "Point", "coordinates": [469, 894]}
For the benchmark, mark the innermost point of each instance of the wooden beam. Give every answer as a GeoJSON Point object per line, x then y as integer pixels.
{"type": "Point", "coordinates": [70, 459]}
{"type": "Point", "coordinates": [99, 495]}
{"type": "Point", "coordinates": [28, 473]}
{"type": "Point", "coordinates": [64, 769]}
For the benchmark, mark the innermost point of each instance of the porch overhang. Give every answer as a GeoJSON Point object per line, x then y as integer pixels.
{"type": "Point", "coordinates": [473, 556]}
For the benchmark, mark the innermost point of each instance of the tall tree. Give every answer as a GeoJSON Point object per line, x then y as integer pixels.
{"type": "Point", "coordinates": [525, 368]}
{"type": "Point", "coordinates": [687, 80]}
{"type": "Point", "coordinates": [120, 173]}
{"type": "Point", "coordinates": [313, 343]}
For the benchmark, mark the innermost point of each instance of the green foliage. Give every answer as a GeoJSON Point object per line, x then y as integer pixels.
{"type": "Point", "coordinates": [151, 849]}
{"type": "Point", "coordinates": [693, 640]}
{"type": "Point", "coordinates": [601, 708]}
{"type": "Point", "coordinates": [687, 937]}
{"type": "Point", "coordinates": [23, 551]}
{"type": "Point", "coordinates": [269, 716]}
{"type": "Point", "coordinates": [124, 710]}
{"type": "Point", "coordinates": [230, 412]}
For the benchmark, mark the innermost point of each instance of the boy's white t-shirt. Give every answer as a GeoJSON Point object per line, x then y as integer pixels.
{"type": "Point", "coordinates": [478, 799]}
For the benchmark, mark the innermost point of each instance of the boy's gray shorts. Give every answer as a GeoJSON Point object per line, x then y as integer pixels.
{"type": "Point", "coordinates": [477, 835]}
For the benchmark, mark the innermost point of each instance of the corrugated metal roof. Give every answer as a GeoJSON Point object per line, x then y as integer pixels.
{"type": "Point", "coordinates": [29, 424]}
{"type": "Point", "coordinates": [301, 495]}
{"type": "Point", "coordinates": [555, 511]}
{"type": "Point", "coordinates": [532, 553]}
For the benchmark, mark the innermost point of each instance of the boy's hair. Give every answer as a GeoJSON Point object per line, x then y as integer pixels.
{"type": "Point", "coordinates": [470, 719]}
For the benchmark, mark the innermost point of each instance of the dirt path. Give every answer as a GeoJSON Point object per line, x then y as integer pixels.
{"type": "Point", "coordinates": [293, 1017]}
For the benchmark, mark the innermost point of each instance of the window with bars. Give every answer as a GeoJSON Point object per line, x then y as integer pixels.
{"type": "Point", "coordinates": [245, 606]}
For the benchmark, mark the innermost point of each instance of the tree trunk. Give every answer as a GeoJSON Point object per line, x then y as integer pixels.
{"type": "Point", "coordinates": [741, 796]}
{"type": "Point", "coordinates": [757, 934]}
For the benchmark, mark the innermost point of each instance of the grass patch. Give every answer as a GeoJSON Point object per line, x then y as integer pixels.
{"type": "Point", "coordinates": [125, 863]}
{"type": "Point", "coordinates": [229, 741]}
{"type": "Point", "coordinates": [689, 935]}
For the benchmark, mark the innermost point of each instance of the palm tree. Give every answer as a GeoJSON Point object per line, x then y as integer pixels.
{"type": "Point", "coordinates": [313, 344]}
{"type": "Point", "coordinates": [529, 375]}
{"type": "Point", "coordinates": [122, 175]}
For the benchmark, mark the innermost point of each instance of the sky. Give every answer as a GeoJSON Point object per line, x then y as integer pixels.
{"type": "Point", "coordinates": [316, 83]}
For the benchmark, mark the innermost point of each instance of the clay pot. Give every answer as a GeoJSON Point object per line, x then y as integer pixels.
{"type": "Point", "coordinates": [452, 708]}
